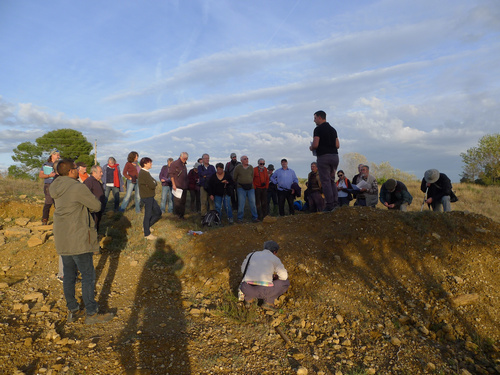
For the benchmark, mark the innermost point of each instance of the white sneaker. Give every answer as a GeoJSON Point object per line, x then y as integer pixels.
{"type": "Point", "coordinates": [151, 237]}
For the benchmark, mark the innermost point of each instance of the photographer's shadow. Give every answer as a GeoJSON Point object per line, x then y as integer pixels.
{"type": "Point", "coordinates": [154, 338]}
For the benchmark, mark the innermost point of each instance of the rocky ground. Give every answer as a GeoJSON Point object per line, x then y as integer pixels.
{"type": "Point", "coordinates": [373, 292]}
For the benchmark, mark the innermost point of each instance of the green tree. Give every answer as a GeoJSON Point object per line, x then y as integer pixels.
{"type": "Point", "coordinates": [483, 162]}
{"type": "Point", "coordinates": [70, 143]}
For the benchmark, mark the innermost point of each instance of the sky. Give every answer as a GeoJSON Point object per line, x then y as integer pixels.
{"type": "Point", "coordinates": [412, 83]}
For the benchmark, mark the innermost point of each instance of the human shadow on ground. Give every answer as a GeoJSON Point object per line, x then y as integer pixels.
{"type": "Point", "coordinates": [154, 338]}
{"type": "Point", "coordinates": [116, 231]}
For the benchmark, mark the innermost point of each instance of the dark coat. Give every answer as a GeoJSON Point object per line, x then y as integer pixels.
{"type": "Point", "coordinates": [438, 189]}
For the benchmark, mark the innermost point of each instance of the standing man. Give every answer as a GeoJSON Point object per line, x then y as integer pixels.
{"type": "Point", "coordinates": [166, 188]}
{"type": "Point", "coordinates": [179, 177]}
{"type": "Point", "coordinates": [82, 171]}
{"type": "Point", "coordinates": [326, 144]}
{"type": "Point", "coordinates": [95, 186]}
{"type": "Point", "coordinates": [147, 190]}
{"type": "Point", "coordinates": [205, 172]}
{"type": "Point", "coordinates": [272, 192]}
{"type": "Point", "coordinates": [47, 173]}
{"type": "Point", "coordinates": [243, 178]}
{"type": "Point", "coordinates": [76, 240]}
{"type": "Point", "coordinates": [230, 165]}
{"type": "Point", "coordinates": [438, 188]}
{"type": "Point", "coordinates": [265, 277]}
{"type": "Point", "coordinates": [284, 178]}
{"type": "Point", "coordinates": [261, 184]}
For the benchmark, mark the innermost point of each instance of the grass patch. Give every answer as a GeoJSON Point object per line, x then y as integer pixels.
{"type": "Point", "coordinates": [231, 308]}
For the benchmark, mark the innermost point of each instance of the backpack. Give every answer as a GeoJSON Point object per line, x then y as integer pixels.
{"type": "Point", "coordinates": [211, 219]}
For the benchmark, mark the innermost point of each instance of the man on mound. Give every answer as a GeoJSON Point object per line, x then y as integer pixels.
{"type": "Point", "coordinates": [264, 276]}
{"type": "Point", "coordinates": [76, 240]}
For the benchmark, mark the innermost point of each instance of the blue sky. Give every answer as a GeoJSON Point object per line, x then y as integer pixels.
{"type": "Point", "coordinates": [411, 83]}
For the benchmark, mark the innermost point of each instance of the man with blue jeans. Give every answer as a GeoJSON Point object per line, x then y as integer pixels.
{"type": "Point", "coordinates": [166, 188]}
{"type": "Point", "coordinates": [76, 240]}
{"type": "Point", "coordinates": [243, 178]}
{"type": "Point", "coordinates": [438, 188]}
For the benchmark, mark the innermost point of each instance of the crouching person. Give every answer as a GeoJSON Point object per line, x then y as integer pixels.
{"type": "Point", "coordinates": [76, 240]}
{"type": "Point", "coordinates": [264, 276]}
{"type": "Point", "coordinates": [395, 196]}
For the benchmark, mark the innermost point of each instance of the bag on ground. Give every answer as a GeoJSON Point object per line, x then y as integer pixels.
{"type": "Point", "coordinates": [211, 219]}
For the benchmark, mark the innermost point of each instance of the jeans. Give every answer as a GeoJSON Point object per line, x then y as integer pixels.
{"type": "Point", "coordinates": [83, 263]}
{"type": "Point", "coordinates": [226, 201]}
{"type": "Point", "coordinates": [444, 205]}
{"type": "Point", "coordinates": [242, 197]}
{"type": "Point", "coordinates": [130, 188]}
{"type": "Point", "coordinates": [116, 195]}
{"type": "Point", "coordinates": [152, 213]}
{"type": "Point", "coordinates": [166, 195]}
{"type": "Point", "coordinates": [327, 167]}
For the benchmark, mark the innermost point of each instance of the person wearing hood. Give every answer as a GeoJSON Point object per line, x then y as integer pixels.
{"type": "Point", "coordinates": [76, 240]}
{"type": "Point", "coordinates": [438, 188]}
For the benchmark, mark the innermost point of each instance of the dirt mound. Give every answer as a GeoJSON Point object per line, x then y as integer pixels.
{"type": "Point", "coordinates": [372, 291]}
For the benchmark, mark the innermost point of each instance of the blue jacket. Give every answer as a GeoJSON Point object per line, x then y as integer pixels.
{"type": "Point", "coordinates": [204, 174]}
{"type": "Point", "coordinates": [284, 178]}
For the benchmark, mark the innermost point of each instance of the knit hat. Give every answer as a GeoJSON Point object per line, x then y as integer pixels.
{"type": "Point", "coordinates": [431, 176]}
{"type": "Point", "coordinates": [270, 167]}
{"type": "Point", "coordinates": [272, 246]}
{"type": "Point", "coordinates": [233, 155]}
{"type": "Point", "coordinates": [390, 185]}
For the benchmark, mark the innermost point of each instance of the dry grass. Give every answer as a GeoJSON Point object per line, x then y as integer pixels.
{"type": "Point", "coordinates": [12, 188]}
{"type": "Point", "coordinates": [484, 200]}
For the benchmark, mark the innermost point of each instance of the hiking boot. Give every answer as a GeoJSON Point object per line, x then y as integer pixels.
{"type": "Point", "coordinates": [98, 318]}
{"type": "Point", "coordinates": [45, 221]}
{"type": "Point", "coordinates": [73, 316]}
{"type": "Point", "coordinates": [269, 307]}
{"type": "Point", "coordinates": [151, 237]}
{"type": "Point", "coordinates": [230, 221]}
{"type": "Point", "coordinates": [255, 221]}
{"type": "Point", "coordinates": [239, 221]}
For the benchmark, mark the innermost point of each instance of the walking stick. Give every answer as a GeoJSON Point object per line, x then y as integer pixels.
{"type": "Point", "coordinates": [425, 198]}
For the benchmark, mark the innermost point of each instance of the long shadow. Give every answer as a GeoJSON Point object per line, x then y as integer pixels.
{"type": "Point", "coordinates": [154, 338]}
{"type": "Point", "coordinates": [116, 228]}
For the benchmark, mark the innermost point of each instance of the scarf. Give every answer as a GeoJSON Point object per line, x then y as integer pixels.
{"type": "Point", "coordinates": [116, 177]}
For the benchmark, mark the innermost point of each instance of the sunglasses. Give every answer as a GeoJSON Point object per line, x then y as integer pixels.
{"type": "Point", "coordinates": [262, 163]}
{"type": "Point", "coordinates": [340, 175]}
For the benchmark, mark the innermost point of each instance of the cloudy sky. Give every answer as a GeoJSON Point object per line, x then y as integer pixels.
{"type": "Point", "coordinates": [414, 83]}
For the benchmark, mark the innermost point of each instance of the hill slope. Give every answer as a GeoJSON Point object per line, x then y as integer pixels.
{"type": "Point", "coordinates": [372, 291]}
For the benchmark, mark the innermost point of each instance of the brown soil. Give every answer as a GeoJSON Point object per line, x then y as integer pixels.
{"type": "Point", "coordinates": [372, 291]}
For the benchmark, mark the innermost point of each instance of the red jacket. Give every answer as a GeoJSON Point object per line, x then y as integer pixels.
{"type": "Point", "coordinates": [260, 179]}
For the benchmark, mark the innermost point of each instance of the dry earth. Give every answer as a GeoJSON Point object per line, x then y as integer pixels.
{"type": "Point", "coordinates": [373, 292]}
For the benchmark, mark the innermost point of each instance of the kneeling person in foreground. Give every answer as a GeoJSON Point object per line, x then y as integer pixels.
{"type": "Point", "coordinates": [76, 240]}
{"type": "Point", "coordinates": [265, 278]}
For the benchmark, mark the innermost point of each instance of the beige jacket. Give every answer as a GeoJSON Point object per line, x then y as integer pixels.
{"type": "Point", "coordinates": [74, 231]}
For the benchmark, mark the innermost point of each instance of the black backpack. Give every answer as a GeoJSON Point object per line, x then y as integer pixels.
{"type": "Point", "coordinates": [211, 219]}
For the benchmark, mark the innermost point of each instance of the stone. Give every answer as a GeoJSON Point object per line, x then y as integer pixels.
{"type": "Point", "coordinates": [92, 345]}
{"type": "Point", "coordinates": [298, 356]}
{"type": "Point", "coordinates": [436, 236]}
{"type": "Point", "coordinates": [2, 240]}
{"type": "Point", "coordinates": [4, 285]}
{"type": "Point", "coordinates": [431, 366]}
{"type": "Point", "coordinates": [34, 241]}
{"type": "Point", "coordinates": [339, 318]}
{"type": "Point", "coordinates": [424, 330]}
{"type": "Point", "coordinates": [22, 221]}
{"type": "Point", "coordinates": [28, 341]}
{"type": "Point", "coordinates": [17, 232]}
{"type": "Point", "coordinates": [134, 263]}
{"type": "Point", "coordinates": [33, 296]}
{"type": "Point", "coordinates": [464, 372]}
{"type": "Point", "coordinates": [469, 345]}
{"type": "Point", "coordinates": [458, 280]}
{"type": "Point", "coordinates": [311, 338]}
{"type": "Point", "coordinates": [465, 299]}
{"type": "Point", "coordinates": [195, 311]}
{"type": "Point", "coordinates": [395, 341]}
{"type": "Point", "coordinates": [346, 342]}
{"type": "Point", "coordinates": [302, 371]}
{"type": "Point", "coordinates": [371, 371]}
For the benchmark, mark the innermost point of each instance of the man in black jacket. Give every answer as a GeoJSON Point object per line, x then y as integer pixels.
{"type": "Point", "coordinates": [438, 187]}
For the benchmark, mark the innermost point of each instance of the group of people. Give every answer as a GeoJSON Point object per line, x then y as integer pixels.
{"type": "Point", "coordinates": [220, 187]}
